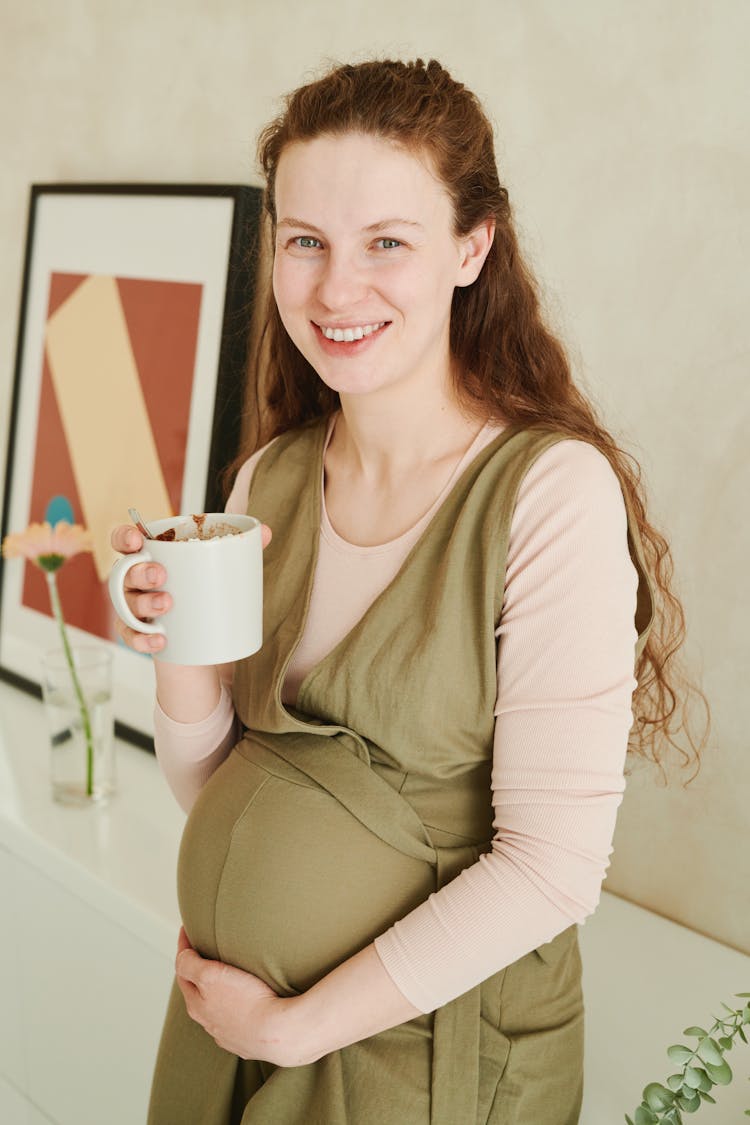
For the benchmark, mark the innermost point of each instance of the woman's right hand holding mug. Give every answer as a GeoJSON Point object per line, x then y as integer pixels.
{"type": "Point", "coordinates": [142, 591]}
{"type": "Point", "coordinates": [186, 692]}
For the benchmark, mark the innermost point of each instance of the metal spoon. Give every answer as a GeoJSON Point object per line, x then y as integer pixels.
{"type": "Point", "coordinates": [135, 516]}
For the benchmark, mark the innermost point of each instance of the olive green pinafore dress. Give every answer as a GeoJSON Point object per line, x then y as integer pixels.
{"type": "Point", "coordinates": [331, 820]}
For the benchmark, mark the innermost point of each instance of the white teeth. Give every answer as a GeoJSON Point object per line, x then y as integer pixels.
{"type": "Point", "coordinates": [347, 335]}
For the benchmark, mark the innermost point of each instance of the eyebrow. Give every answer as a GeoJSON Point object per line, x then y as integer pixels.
{"type": "Point", "coordinates": [382, 224]}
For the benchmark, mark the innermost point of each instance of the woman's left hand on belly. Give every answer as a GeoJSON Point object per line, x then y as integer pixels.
{"type": "Point", "coordinates": [245, 1016]}
{"type": "Point", "coordinates": [238, 1010]}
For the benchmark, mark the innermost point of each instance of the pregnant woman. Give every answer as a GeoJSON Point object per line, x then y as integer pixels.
{"type": "Point", "coordinates": [400, 808]}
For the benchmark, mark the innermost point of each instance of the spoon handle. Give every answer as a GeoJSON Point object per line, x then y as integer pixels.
{"type": "Point", "coordinates": [136, 518]}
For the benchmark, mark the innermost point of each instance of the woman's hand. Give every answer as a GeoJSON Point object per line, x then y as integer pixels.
{"type": "Point", "coordinates": [238, 1010]}
{"type": "Point", "coordinates": [355, 1000]}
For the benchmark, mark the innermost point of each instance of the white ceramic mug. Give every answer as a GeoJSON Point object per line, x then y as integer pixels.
{"type": "Point", "coordinates": [216, 585]}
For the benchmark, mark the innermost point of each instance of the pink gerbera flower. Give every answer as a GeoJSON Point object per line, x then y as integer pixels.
{"type": "Point", "coordinates": [46, 546]}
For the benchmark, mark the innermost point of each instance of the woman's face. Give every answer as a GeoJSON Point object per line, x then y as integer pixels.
{"type": "Point", "coordinates": [366, 262]}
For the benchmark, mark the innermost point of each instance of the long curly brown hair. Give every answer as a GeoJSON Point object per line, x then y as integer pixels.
{"type": "Point", "coordinates": [508, 364]}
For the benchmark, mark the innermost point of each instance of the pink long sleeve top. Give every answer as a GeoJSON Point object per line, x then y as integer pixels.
{"type": "Point", "coordinates": [565, 663]}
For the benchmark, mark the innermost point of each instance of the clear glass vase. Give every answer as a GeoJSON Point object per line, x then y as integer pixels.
{"type": "Point", "coordinates": [80, 720]}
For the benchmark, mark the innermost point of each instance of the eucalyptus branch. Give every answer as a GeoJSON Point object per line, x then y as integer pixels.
{"type": "Point", "coordinates": [702, 1068]}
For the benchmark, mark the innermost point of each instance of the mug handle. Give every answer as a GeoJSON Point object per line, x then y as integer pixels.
{"type": "Point", "coordinates": [117, 593]}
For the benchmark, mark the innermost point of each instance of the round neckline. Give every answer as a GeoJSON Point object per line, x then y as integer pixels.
{"type": "Point", "coordinates": [332, 537]}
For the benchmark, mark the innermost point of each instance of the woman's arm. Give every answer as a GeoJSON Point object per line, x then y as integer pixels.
{"type": "Point", "coordinates": [566, 651]}
{"type": "Point", "coordinates": [195, 724]}
{"type": "Point", "coordinates": [188, 753]}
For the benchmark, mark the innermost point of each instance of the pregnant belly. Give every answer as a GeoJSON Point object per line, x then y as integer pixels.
{"type": "Point", "coordinates": [276, 877]}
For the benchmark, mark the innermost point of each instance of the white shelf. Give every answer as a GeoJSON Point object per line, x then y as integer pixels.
{"type": "Point", "coordinates": [119, 858]}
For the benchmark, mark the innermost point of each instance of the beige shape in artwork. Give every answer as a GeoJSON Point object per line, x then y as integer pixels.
{"type": "Point", "coordinates": [103, 411]}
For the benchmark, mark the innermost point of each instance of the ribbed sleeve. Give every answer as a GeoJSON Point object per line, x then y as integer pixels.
{"type": "Point", "coordinates": [188, 753]}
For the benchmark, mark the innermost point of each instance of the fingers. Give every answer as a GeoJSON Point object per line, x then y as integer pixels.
{"type": "Point", "coordinates": [142, 591]}
{"type": "Point", "coordinates": [139, 642]}
{"type": "Point", "coordinates": [146, 602]}
{"type": "Point", "coordinates": [148, 605]}
{"type": "Point", "coordinates": [187, 987]}
{"type": "Point", "coordinates": [189, 966]}
{"type": "Point", "coordinates": [265, 533]}
{"type": "Point", "coordinates": [126, 539]}
{"type": "Point", "coordinates": [190, 994]}
{"type": "Point", "coordinates": [145, 576]}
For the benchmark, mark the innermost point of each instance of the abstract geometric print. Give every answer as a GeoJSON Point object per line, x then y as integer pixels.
{"type": "Point", "coordinates": [113, 420]}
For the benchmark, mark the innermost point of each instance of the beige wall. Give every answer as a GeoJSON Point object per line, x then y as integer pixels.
{"type": "Point", "coordinates": [623, 141]}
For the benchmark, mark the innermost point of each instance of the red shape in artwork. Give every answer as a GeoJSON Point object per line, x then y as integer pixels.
{"type": "Point", "coordinates": [163, 326]}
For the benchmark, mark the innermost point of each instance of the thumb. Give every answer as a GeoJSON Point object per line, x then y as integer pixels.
{"type": "Point", "coordinates": [183, 941]}
{"type": "Point", "coordinates": [189, 965]}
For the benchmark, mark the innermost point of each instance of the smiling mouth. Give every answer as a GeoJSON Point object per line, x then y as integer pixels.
{"type": "Point", "coordinates": [351, 333]}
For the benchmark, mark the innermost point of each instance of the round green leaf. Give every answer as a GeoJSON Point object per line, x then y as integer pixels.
{"type": "Point", "coordinates": [707, 1097]}
{"type": "Point", "coordinates": [699, 1031]}
{"type": "Point", "coordinates": [726, 1042]}
{"type": "Point", "coordinates": [675, 1082]}
{"type": "Point", "coordinates": [644, 1116]}
{"type": "Point", "coordinates": [722, 1075]}
{"type": "Point", "coordinates": [693, 1077]}
{"type": "Point", "coordinates": [746, 1014]}
{"type": "Point", "coordinates": [710, 1051]}
{"type": "Point", "coordinates": [679, 1053]}
{"type": "Point", "coordinates": [689, 1104]}
{"type": "Point", "coordinates": [657, 1096]}
{"type": "Point", "coordinates": [672, 1117]}
{"type": "Point", "coordinates": [705, 1082]}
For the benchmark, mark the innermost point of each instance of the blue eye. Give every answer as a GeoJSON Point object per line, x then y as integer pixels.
{"type": "Point", "coordinates": [389, 243]}
{"type": "Point", "coordinates": [307, 242]}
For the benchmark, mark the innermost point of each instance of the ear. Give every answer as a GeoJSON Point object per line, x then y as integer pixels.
{"type": "Point", "coordinates": [474, 248]}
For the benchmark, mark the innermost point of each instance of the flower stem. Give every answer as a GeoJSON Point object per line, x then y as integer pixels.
{"type": "Point", "coordinates": [54, 598]}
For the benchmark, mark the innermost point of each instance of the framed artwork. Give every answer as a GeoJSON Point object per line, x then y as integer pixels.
{"type": "Point", "coordinates": [129, 389]}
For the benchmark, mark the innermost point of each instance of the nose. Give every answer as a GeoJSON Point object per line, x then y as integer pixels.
{"type": "Point", "coordinates": [342, 282]}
